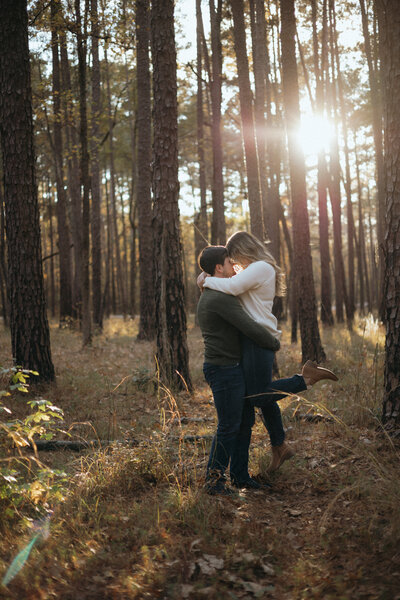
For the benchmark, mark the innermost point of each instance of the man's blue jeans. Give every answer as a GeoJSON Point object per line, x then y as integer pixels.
{"type": "Point", "coordinates": [257, 368]}
{"type": "Point", "coordinates": [235, 420]}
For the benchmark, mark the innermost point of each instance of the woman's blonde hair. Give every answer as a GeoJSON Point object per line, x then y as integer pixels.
{"type": "Point", "coordinates": [245, 245]}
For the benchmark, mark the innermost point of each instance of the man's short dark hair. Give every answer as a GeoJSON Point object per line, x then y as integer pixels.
{"type": "Point", "coordinates": [210, 257]}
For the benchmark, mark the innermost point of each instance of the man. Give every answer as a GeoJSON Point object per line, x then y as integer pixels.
{"type": "Point", "coordinates": [222, 320]}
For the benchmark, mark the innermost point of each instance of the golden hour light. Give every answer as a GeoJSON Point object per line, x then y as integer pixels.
{"type": "Point", "coordinates": [315, 133]}
{"type": "Point", "coordinates": [199, 295]}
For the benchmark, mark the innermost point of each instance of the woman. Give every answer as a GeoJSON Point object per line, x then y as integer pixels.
{"type": "Point", "coordinates": [256, 285]}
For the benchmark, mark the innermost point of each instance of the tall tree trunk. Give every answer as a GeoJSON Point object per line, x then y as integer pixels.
{"type": "Point", "coordinates": [323, 222]}
{"type": "Point", "coordinates": [246, 113]}
{"type": "Point", "coordinates": [64, 242]}
{"type": "Point", "coordinates": [133, 262]}
{"type": "Point", "coordinates": [84, 170]}
{"type": "Point", "coordinates": [350, 307]}
{"type": "Point", "coordinates": [51, 259]}
{"type": "Point", "coordinates": [3, 264]}
{"type": "Point", "coordinates": [360, 264]}
{"type": "Point", "coordinates": [201, 224]}
{"type": "Point", "coordinates": [95, 171]}
{"type": "Point", "coordinates": [30, 338]}
{"type": "Point", "coordinates": [170, 317]}
{"type": "Point", "coordinates": [334, 183]}
{"type": "Point", "coordinates": [310, 338]}
{"type": "Point", "coordinates": [389, 34]}
{"type": "Point", "coordinates": [109, 298]}
{"type": "Point", "coordinates": [144, 202]}
{"type": "Point", "coordinates": [131, 84]}
{"type": "Point", "coordinates": [218, 226]}
{"type": "Point", "coordinates": [376, 105]}
{"type": "Point", "coordinates": [374, 291]}
{"type": "Point", "coordinates": [71, 149]}
{"type": "Point", "coordinates": [113, 198]}
{"type": "Point", "coordinates": [260, 62]}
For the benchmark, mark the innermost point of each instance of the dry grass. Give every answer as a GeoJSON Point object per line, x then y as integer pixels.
{"type": "Point", "coordinates": [136, 523]}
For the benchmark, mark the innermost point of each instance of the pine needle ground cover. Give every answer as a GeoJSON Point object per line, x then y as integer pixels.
{"type": "Point", "coordinates": [132, 520]}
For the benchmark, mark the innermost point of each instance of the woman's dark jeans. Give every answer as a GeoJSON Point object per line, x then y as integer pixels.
{"type": "Point", "coordinates": [257, 368]}
{"type": "Point", "coordinates": [235, 420]}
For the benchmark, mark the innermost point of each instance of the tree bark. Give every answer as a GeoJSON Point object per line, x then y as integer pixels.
{"type": "Point", "coordinates": [30, 338]}
{"type": "Point", "coordinates": [376, 105]}
{"type": "Point", "coordinates": [113, 198]}
{"type": "Point", "coordinates": [71, 148]}
{"type": "Point", "coordinates": [334, 184]}
{"type": "Point", "coordinates": [310, 338]}
{"type": "Point", "coordinates": [3, 265]}
{"type": "Point", "coordinates": [260, 70]}
{"type": "Point", "coordinates": [170, 317]}
{"type": "Point", "coordinates": [95, 171]}
{"type": "Point", "coordinates": [85, 180]}
{"type": "Point", "coordinates": [64, 241]}
{"type": "Point", "coordinates": [246, 113]}
{"type": "Point", "coordinates": [202, 224]}
{"type": "Point", "coordinates": [389, 32]}
{"type": "Point", "coordinates": [322, 185]}
{"type": "Point", "coordinates": [218, 225]}
{"type": "Point", "coordinates": [144, 201]}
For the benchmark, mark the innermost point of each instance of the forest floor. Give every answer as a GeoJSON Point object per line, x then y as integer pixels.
{"type": "Point", "coordinates": [134, 521]}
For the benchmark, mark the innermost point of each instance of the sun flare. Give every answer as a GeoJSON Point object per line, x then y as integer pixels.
{"type": "Point", "coordinates": [315, 134]}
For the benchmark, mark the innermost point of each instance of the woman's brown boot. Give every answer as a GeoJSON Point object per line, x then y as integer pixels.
{"type": "Point", "coordinates": [313, 373]}
{"type": "Point", "coordinates": [279, 455]}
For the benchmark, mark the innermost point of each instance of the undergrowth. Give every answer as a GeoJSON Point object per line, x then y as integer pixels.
{"type": "Point", "coordinates": [136, 523]}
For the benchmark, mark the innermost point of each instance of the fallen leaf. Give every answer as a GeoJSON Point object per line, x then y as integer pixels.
{"type": "Point", "coordinates": [194, 544]}
{"type": "Point", "coordinates": [268, 569]}
{"type": "Point", "coordinates": [255, 588]}
{"type": "Point", "coordinates": [186, 590]}
{"type": "Point", "coordinates": [249, 557]}
{"type": "Point", "coordinates": [209, 564]}
{"type": "Point", "coordinates": [294, 512]}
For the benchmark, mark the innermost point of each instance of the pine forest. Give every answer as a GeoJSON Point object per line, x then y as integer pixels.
{"type": "Point", "coordinates": [199, 280]}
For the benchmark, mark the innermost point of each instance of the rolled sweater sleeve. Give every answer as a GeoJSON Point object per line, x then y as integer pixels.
{"type": "Point", "coordinates": [250, 278]}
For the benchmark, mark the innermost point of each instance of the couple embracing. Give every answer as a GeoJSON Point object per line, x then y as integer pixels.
{"type": "Point", "coordinates": [241, 337]}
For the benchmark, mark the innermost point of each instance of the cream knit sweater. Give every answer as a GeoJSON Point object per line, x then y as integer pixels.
{"type": "Point", "coordinates": [255, 287]}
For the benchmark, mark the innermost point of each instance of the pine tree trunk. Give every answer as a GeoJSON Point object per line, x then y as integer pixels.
{"type": "Point", "coordinates": [114, 214]}
{"type": "Point", "coordinates": [64, 242]}
{"type": "Point", "coordinates": [85, 181]}
{"type": "Point", "coordinates": [131, 84]}
{"type": "Point", "coordinates": [310, 338]}
{"type": "Point", "coordinates": [389, 32]}
{"type": "Point", "coordinates": [246, 113]}
{"type": "Point", "coordinates": [322, 185]}
{"type": "Point", "coordinates": [376, 105]}
{"type": "Point", "coordinates": [144, 201]}
{"type": "Point", "coordinates": [202, 224]}
{"type": "Point", "coordinates": [170, 317]}
{"type": "Point", "coordinates": [30, 337]}
{"type": "Point", "coordinates": [259, 45]}
{"type": "Point", "coordinates": [51, 259]}
{"type": "Point", "coordinates": [71, 146]}
{"type": "Point", "coordinates": [95, 171]}
{"type": "Point", "coordinates": [3, 265]}
{"type": "Point", "coordinates": [334, 184]}
{"type": "Point", "coordinates": [360, 264]}
{"type": "Point", "coordinates": [218, 226]}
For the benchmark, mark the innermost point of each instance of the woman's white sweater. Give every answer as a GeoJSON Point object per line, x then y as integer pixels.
{"type": "Point", "coordinates": [255, 286]}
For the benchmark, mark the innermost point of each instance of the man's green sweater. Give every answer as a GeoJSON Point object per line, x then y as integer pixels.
{"type": "Point", "coordinates": [222, 318]}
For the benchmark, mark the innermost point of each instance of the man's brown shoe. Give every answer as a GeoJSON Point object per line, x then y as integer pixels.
{"type": "Point", "coordinates": [313, 373]}
{"type": "Point", "coordinates": [279, 455]}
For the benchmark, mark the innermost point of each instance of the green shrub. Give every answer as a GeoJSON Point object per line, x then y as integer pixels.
{"type": "Point", "coordinates": [26, 485]}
